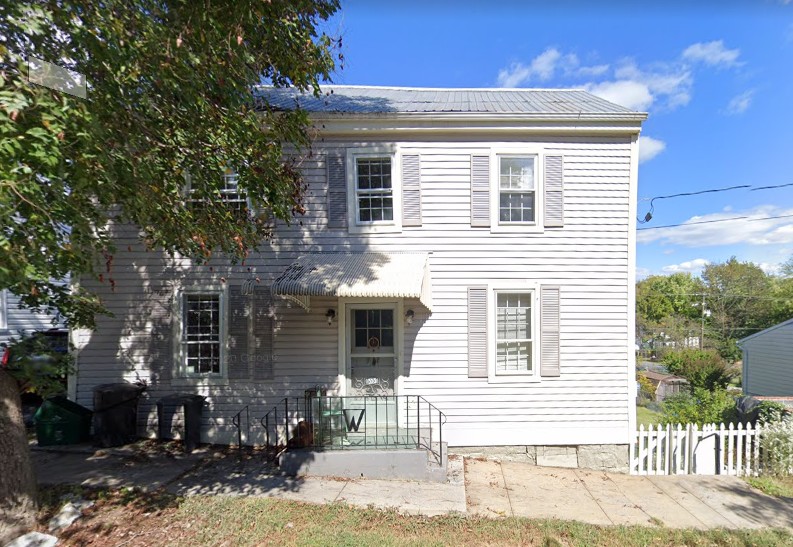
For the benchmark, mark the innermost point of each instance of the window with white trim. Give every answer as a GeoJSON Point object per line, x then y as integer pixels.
{"type": "Point", "coordinates": [202, 333]}
{"type": "Point", "coordinates": [514, 337]}
{"type": "Point", "coordinates": [517, 189]}
{"type": "Point", "coordinates": [231, 195]}
{"type": "Point", "coordinates": [374, 191]}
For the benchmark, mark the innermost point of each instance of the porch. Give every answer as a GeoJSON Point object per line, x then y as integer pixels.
{"type": "Point", "coordinates": [377, 436]}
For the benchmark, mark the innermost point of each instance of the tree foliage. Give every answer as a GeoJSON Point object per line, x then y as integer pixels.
{"type": "Point", "coordinates": [699, 407]}
{"type": "Point", "coordinates": [739, 299]}
{"type": "Point", "coordinates": [170, 94]}
{"type": "Point", "coordinates": [668, 308]}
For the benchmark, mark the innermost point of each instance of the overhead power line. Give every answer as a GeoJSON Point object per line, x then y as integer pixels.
{"type": "Point", "coordinates": [649, 214]}
{"type": "Point", "coordinates": [715, 220]}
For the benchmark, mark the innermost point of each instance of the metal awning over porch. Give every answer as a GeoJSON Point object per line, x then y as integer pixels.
{"type": "Point", "coordinates": [356, 275]}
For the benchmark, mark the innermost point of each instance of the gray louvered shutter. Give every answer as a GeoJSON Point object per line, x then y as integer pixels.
{"type": "Point", "coordinates": [337, 190]}
{"type": "Point", "coordinates": [239, 310]}
{"type": "Point", "coordinates": [411, 191]}
{"type": "Point", "coordinates": [477, 332]}
{"type": "Point", "coordinates": [549, 331]}
{"type": "Point", "coordinates": [263, 323]}
{"type": "Point", "coordinates": [480, 191]}
{"type": "Point", "coordinates": [554, 191]}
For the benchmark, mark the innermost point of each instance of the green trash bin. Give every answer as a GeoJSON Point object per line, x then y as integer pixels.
{"type": "Point", "coordinates": [61, 421]}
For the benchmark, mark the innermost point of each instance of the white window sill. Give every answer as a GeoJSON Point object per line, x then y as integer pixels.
{"type": "Point", "coordinates": [516, 378]}
{"type": "Point", "coordinates": [533, 228]}
{"type": "Point", "coordinates": [375, 228]}
{"type": "Point", "coordinates": [196, 381]}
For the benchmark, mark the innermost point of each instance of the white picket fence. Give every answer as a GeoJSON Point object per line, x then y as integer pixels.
{"type": "Point", "coordinates": [691, 450]}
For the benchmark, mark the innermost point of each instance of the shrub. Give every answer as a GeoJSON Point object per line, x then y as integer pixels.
{"type": "Point", "coordinates": [771, 411]}
{"type": "Point", "coordinates": [646, 389]}
{"type": "Point", "coordinates": [776, 443]}
{"type": "Point", "coordinates": [702, 368]}
{"type": "Point", "coordinates": [700, 407]}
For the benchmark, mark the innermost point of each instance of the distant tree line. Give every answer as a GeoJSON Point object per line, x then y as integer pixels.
{"type": "Point", "coordinates": [729, 301]}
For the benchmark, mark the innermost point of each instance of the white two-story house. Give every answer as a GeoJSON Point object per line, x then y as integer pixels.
{"type": "Point", "coordinates": [472, 249]}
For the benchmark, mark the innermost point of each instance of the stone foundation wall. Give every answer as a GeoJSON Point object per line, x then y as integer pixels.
{"type": "Point", "coordinates": [601, 457]}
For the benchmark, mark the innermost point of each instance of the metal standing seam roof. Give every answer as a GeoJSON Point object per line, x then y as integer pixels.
{"type": "Point", "coordinates": [382, 100]}
{"type": "Point", "coordinates": [366, 275]}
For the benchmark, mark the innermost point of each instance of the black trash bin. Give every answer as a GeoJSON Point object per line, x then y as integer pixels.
{"type": "Point", "coordinates": [116, 413]}
{"type": "Point", "coordinates": [192, 407]}
{"type": "Point", "coordinates": [61, 421]}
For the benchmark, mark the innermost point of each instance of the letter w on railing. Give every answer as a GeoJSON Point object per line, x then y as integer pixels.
{"type": "Point", "coordinates": [349, 418]}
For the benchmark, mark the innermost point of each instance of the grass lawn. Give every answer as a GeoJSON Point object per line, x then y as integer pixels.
{"type": "Point", "coordinates": [781, 487]}
{"type": "Point", "coordinates": [646, 417]}
{"type": "Point", "coordinates": [126, 518]}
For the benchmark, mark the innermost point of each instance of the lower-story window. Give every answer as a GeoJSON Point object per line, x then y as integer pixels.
{"type": "Point", "coordinates": [202, 328]}
{"type": "Point", "coordinates": [514, 336]}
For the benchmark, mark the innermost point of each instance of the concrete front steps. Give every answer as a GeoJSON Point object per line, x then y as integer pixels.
{"type": "Point", "coordinates": [373, 463]}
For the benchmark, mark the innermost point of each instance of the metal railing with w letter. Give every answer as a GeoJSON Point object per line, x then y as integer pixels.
{"type": "Point", "coordinates": [355, 422]}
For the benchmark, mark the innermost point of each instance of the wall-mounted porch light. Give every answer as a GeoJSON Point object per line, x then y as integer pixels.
{"type": "Point", "coordinates": [330, 315]}
{"type": "Point", "coordinates": [409, 315]}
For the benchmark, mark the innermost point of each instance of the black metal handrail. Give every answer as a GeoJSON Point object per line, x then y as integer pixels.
{"type": "Point", "coordinates": [320, 421]}
{"type": "Point", "coordinates": [236, 421]}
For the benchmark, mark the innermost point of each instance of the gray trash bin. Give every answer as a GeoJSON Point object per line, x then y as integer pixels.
{"type": "Point", "coordinates": [192, 407]}
{"type": "Point", "coordinates": [116, 413]}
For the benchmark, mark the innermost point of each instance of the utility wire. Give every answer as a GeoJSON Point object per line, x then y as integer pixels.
{"type": "Point", "coordinates": [712, 221]}
{"type": "Point", "coordinates": [649, 214]}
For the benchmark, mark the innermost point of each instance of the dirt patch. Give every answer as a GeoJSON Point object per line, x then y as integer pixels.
{"type": "Point", "coordinates": [119, 517]}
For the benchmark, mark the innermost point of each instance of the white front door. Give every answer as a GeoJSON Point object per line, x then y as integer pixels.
{"type": "Point", "coordinates": [371, 349]}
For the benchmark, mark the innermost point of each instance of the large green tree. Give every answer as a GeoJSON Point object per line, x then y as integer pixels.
{"type": "Point", "coordinates": [668, 307]}
{"type": "Point", "coordinates": [171, 97]}
{"type": "Point", "coordinates": [740, 299]}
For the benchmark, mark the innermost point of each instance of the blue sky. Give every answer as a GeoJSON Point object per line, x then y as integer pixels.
{"type": "Point", "coordinates": [715, 77]}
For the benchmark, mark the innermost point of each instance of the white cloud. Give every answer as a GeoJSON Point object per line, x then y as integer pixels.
{"type": "Point", "coordinates": [712, 53]}
{"type": "Point", "coordinates": [641, 273]}
{"type": "Point", "coordinates": [591, 71]}
{"type": "Point", "coordinates": [633, 95]}
{"type": "Point", "coordinates": [649, 148]}
{"type": "Point", "coordinates": [667, 81]}
{"type": "Point", "coordinates": [769, 268]}
{"type": "Point", "coordinates": [753, 227]}
{"type": "Point", "coordinates": [740, 103]}
{"type": "Point", "coordinates": [542, 68]}
{"type": "Point", "coordinates": [690, 266]}
{"type": "Point", "coordinates": [545, 66]}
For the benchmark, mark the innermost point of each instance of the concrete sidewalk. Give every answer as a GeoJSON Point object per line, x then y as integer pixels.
{"type": "Point", "coordinates": [677, 501]}
{"type": "Point", "coordinates": [478, 487]}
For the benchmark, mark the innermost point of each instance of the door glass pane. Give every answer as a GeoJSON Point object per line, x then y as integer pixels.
{"type": "Point", "coordinates": [372, 363]}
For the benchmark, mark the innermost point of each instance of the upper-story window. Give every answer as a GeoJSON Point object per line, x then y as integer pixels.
{"type": "Point", "coordinates": [231, 195]}
{"type": "Point", "coordinates": [517, 189]}
{"type": "Point", "coordinates": [374, 192]}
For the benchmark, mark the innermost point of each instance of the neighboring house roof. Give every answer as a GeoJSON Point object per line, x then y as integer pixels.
{"type": "Point", "coordinates": [769, 329]}
{"type": "Point", "coordinates": [660, 377]}
{"type": "Point", "coordinates": [371, 275]}
{"type": "Point", "coordinates": [337, 99]}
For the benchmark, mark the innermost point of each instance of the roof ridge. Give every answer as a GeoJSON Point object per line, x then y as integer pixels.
{"type": "Point", "coordinates": [410, 88]}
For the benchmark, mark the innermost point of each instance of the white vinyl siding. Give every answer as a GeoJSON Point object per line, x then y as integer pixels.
{"type": "Point", "coordinates": [21, 320]}
{"type": "Point", "coordinates": [3, 310]}
{"type": "Point", "coordinates": [768, 362]}
{"type": "Point", "coordinates": [589, 258]}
